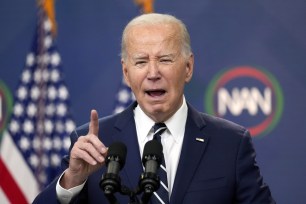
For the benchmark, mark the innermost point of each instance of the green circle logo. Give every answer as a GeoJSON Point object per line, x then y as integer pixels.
{"type": "Point", "coordinates": [248, 93]}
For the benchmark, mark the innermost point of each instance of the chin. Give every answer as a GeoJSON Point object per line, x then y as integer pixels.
{"type": "Point", "coordinates": [155, 110]}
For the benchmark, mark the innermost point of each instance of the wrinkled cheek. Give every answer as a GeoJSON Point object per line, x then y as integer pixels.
{"type": "Point", "coordinates": [134, 87]}
{"type": "Point", "coordinates": [139, 95]}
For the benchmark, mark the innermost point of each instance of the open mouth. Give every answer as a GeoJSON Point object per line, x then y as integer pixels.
{"type": "Point", "coordinates": [155, 93]}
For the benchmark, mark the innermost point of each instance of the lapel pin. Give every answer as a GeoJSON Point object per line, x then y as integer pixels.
{"type": "Point", "coordinates": [199, 139]}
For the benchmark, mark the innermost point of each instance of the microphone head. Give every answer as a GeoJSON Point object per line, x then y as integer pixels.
{"type": "Point", "coordinates": [117, 150]}
{"type": "Point", "coordinates": [153, 148]}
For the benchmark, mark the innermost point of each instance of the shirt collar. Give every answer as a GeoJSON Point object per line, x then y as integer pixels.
{"type": "Point", "coordinates": [175, 124]}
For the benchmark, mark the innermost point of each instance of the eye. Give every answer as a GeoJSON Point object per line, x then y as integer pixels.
{"type": "Point", "coordinates": [166, 60]}
{"type": "Point", "coordinates": [140, 63]}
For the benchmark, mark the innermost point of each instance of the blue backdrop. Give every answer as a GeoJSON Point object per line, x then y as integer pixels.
{"type": "Point", "coordinates": [267, 36]}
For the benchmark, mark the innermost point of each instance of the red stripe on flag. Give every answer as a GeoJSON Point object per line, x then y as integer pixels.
{"type": "Point", "coordinates": [10, 187]}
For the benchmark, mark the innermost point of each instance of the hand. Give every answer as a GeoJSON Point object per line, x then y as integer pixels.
{"type": "Point", "coordinates": [87, 155]}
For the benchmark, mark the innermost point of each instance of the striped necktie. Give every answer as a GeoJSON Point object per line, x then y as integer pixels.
{"type": "Point", "coordinates": [162, 194]}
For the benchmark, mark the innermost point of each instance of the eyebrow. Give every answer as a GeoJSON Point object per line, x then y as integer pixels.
{"type": "Point", "coordinates": [158, 56]}
{"type": "Point", "coordinates": [141, 56]}
{"type": "Point", "coordinates": [167, 55]}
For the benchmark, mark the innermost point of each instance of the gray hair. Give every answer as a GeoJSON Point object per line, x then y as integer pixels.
{"type": "Point", "coordinates": [154, 19]}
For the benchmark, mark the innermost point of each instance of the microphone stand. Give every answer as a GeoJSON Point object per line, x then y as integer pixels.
{"type": "Point", "coordinates": [111, 198]}
{"type": "Point", "coordinates": [113, 185]}
{"type": "Point", "coordinates": [148, 183]}
{"type": "Point", "coordinates": [132, 194]}
{"type": "Point", "coordinates": [147, 190]}
{"type": "Point", "coordinates": [146, 196]}
{"type": "Point", "coordinates": [110, 183]}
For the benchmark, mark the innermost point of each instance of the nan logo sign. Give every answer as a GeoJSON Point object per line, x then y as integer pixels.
{"type": "Point", "coordinates": [246, 95]}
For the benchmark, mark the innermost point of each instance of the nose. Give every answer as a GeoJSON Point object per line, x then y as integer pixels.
{"type": "Point", "coordinates": [153, 70]}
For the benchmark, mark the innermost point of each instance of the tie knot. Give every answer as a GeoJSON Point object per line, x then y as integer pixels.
{"type": "Point", "coordinates": [158, 129]}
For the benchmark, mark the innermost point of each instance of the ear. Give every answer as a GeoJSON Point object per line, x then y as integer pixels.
{"type": "Point", "coordinates": [125, 72]}
{"type": "Point", "coordinates": [189, 68]}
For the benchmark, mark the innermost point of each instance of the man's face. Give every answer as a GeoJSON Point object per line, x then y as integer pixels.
{"type": "Point", "coordinates": [156, 70]}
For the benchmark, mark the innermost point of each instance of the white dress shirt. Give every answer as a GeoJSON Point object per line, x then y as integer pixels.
{"type": "Point", "coordinates": [172, 140]}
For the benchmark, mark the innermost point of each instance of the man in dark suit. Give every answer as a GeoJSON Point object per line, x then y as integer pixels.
{"type": "Point", "coordinates": [207, 159]}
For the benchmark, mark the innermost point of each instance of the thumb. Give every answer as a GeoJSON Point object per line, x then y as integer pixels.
{"type": "Point", "coordinates": [94, 123]}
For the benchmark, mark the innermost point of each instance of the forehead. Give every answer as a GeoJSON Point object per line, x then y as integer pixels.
{"type": "Point", "coordinates": [155, 37]}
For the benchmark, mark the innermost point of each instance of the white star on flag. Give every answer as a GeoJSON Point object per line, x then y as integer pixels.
{"type": "Point", "coordinates": [124, 98]}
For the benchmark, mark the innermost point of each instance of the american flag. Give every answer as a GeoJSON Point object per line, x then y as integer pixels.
{"type": "Point", "coordinates": [38, 133]}
{"type": "Point", "coordinates": [124, 97]}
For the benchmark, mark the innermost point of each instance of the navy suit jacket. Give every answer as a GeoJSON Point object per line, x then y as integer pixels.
{"type": "Point", "coordinates": [220, 170]}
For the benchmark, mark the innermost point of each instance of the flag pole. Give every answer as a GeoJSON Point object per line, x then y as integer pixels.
{"type": "Point", "coordinates": [48, 7]}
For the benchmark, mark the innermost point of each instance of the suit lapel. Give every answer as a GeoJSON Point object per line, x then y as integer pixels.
{"type": "Point", "coordinates": [125, 125]}
{"type": "Point", "coordinates": [191, 154]}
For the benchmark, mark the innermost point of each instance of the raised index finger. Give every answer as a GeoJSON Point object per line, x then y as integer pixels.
{"type": "Point", "coordinates": [94, 123]}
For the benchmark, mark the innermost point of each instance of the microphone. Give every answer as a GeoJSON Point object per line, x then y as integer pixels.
{"type": "Point", "coordinates": [152, 158]}
{"type": "Point", "coordinates": [110, 181]}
